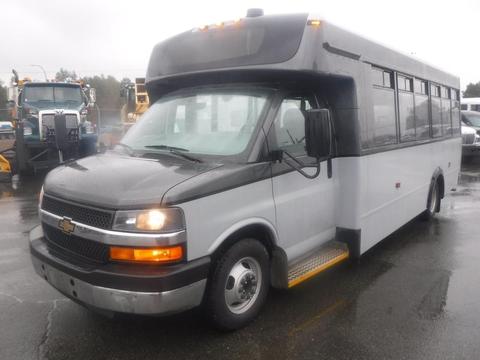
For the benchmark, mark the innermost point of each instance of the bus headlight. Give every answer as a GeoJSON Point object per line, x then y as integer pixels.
{"type": "Point", "coordinates": [151, 220]}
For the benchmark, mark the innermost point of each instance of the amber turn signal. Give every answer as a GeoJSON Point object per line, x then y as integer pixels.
{"type": "Point", "coordinates": [165, 254]}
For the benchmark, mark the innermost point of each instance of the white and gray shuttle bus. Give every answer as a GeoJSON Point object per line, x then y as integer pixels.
{"type": "Point", "coordinates": [275, 147]}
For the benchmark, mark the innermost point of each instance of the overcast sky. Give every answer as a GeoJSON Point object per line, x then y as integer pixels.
{"type": "Point", "coordinates": [114, 37]}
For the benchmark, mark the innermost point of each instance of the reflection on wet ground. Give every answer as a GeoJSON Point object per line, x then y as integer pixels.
{"type": "Point", "coordinates": [414, 296]}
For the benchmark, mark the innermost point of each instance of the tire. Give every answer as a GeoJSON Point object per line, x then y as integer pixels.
{"type": "Point", "coordinates": [433, 202]}
{"type": "Point", "coordinates": [238, 285]}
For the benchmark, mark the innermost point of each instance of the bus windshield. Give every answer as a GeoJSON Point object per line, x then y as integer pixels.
{"type": "Point", "coordinates": [218, 122]}
{"type": "Point", "coordinates": [48, 95]}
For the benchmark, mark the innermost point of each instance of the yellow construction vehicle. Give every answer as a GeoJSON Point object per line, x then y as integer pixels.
{"type": "Point", "coordinates": [5, 169]}
{"type": "Point", "coordinates": [136, 101]}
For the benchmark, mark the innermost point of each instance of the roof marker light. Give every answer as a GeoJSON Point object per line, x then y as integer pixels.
{"type": "Point", "coordinates": [314, 22]}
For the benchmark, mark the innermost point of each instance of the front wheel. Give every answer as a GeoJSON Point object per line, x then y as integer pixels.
{"type": "Point", "coordinates": [238, 286]}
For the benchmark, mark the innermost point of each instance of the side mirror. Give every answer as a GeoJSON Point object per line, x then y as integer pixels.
{"type": "Point", "coordinates": [318, 133]}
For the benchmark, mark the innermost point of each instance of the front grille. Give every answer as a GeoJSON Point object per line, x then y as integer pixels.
{"type": "Point", "coordinates": [71, 121]}
{"type": "Point", "coordinates": [72, 244]}
{"type": "Point", "coordinates": [48, 126]}
{"type": "Point", "coordinates": [86, 215]}
{"type": "Point", "coordinates": [48, 120]}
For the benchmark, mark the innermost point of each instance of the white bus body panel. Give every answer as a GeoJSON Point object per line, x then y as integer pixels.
{"type": "Point", "coordinates": [385, 207]}
{"type": "Point", "coordinates": [302, 214]}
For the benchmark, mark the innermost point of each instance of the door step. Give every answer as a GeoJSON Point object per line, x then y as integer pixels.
{"type": "Point", "coordinates": [328, 255]}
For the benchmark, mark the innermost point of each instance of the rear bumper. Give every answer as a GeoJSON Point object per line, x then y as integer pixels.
{"type": "Point", "coordinates": [126, 288]}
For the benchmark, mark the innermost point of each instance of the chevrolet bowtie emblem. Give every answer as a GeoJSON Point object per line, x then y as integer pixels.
{"type": "Point", "coordinates": [66, 226]}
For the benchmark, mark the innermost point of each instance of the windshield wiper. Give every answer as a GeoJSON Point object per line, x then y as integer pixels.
{"type": "Point", "coordinates": [174, 150]}
{"type": "Point", "coordinates": [165, 147]}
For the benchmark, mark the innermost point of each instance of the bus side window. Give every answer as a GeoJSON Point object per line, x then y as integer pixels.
{"type": "Point", "coordinates": [289, 125]}
{"type": "Point", "coordinates": [383, 127]}
{"type": "Point", "coordinates": [436, 110]}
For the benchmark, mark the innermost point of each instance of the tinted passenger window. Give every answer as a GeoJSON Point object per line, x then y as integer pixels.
{"type": "Point", "coordinates": [377, 77]}
{"type": "Point", "coordinates": [455, 116]}
{"type": "Point", "coordinates": [422, 125]}
{"type": "Point", "coordinates": [420, 87]}
{"type": "Point", "coordinates": [446, 115]}
{"type": "Point", "coordinates": [404, 83]}
{"type": "Point", "coordinates": [289, 125]}
{"type": "Point", "coordinates": [406, 108]}
{"type": "Point", "coordinates": [436, 117]}
{"type": "Point", "coordinates": [384, 127]}
{"type": "Point", "coordinates": [383, 130]}
{"type": "Point", "coordinates": [381, 77]}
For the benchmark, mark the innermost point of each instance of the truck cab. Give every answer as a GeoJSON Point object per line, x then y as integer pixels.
{"type": "Point", "coordinates": [41, 142]}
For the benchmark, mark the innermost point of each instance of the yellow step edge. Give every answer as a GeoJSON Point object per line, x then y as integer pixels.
{"type": "Point", "coordinates": [314, 272]}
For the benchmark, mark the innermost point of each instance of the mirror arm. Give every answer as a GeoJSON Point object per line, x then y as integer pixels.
{"type": "Point", "coordinates": [297, 165]}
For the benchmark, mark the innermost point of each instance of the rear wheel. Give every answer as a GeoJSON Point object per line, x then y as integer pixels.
{"type": "Point", "coordinates": [433, 202]}
{"type": "Point", "coordinates": [239, 285]}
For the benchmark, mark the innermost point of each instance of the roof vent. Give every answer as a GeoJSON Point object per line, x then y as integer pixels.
{"type": "Point", "coordinates": [255, 12]}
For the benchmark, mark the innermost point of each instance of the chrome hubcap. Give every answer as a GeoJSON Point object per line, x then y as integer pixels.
{"type": "Point", "coordinates": [243, 285]}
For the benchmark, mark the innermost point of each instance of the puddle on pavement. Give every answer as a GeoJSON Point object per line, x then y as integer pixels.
{"type": "Point", "coordinates": [22, 186]}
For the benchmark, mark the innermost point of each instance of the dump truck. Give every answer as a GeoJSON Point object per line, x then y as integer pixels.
{"type": "Point", "coordinates": [51, 123]}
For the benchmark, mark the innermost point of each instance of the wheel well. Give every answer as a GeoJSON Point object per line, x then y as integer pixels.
{"type": "Point", "coordinates": [254, 231]}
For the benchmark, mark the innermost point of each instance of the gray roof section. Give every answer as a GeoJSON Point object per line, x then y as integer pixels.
{"type": "Point", "coordinates": [326, 49]}
{"type": "Point", "coordinates": [374, 53]}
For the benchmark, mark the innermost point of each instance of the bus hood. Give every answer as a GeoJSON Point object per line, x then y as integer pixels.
{"type": "Point", "coordinates": [118, 181]}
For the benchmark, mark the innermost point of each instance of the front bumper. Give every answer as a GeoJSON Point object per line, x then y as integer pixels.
{"type": "Point", "coordinates": [126, 288]}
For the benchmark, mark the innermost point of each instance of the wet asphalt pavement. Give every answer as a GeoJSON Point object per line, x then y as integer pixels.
{"type": "Point", "coordinates": [414, 296]}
